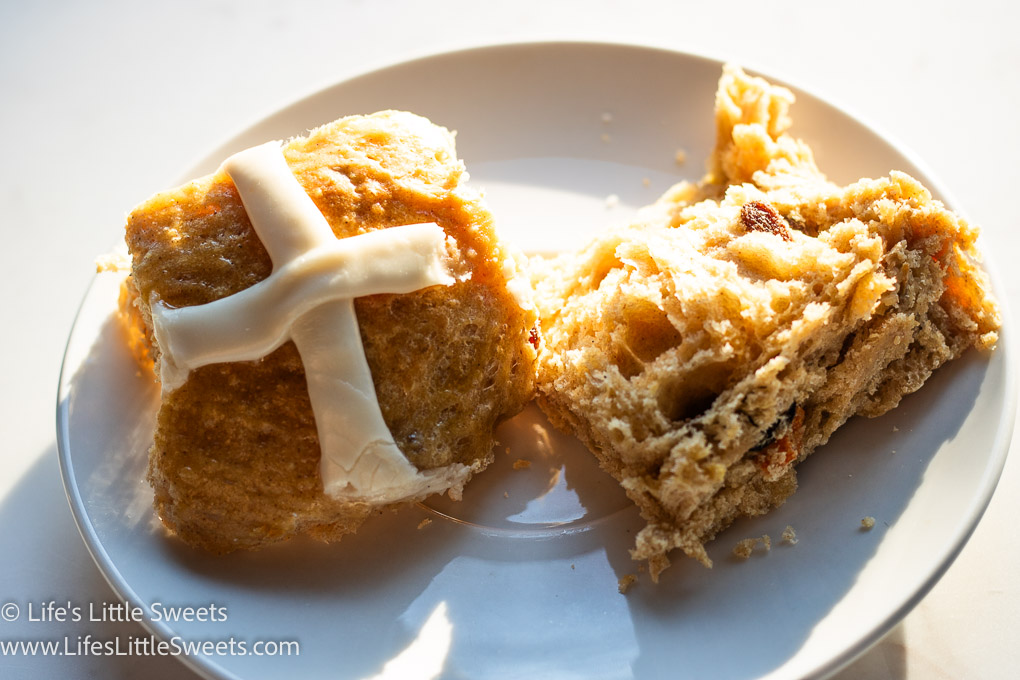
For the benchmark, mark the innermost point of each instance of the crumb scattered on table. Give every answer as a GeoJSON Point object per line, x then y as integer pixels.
{"type": "Point", "coordinates": [625, 582]}
{"type": "Point", "coordinates": [680, 157]}
{"type": "Point", "coordinates": [867, 523]}
{"type": "Point", "coordinates": [789, 535]}
{"type": "Point", "coordinates": [424, 523]}
{"type": "Point", "coordinates": [521, 464]}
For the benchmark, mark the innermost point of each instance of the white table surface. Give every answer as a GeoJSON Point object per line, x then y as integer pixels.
{"type": "Point", "coordinates": [103, 103]}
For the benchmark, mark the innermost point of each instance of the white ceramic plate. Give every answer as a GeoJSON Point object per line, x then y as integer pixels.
{"type": "Point", "coordinates": [520, 579]}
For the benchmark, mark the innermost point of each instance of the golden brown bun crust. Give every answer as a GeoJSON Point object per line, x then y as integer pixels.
{"type": "Point", "coordinates": [704, 350]}
{"type": "Point", "coordinates": [235, 461]}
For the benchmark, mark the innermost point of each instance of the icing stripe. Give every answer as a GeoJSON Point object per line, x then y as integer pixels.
{"type": "Point", "coordinates": [309, 298]}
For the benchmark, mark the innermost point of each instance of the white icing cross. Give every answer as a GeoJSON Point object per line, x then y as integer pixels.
{"type": "Point", "coordinates": [309, 298]}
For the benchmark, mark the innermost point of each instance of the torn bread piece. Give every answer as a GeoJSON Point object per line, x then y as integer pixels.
{"type": "Point", "coordinates": [405, 263]}
{"type": "Point", "coordinates": [705, 349]}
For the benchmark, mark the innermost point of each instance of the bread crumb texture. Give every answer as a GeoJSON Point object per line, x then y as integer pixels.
{"type": "Point", "coordinates": [703, 350]}
{"type": "Point", "coordinates": [745, 547]}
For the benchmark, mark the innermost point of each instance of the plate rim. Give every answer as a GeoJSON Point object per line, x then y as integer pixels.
{"type": "Point", "coordinates": [104, 563]}
{"type": "Point", "coordinates": [999, 450]}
